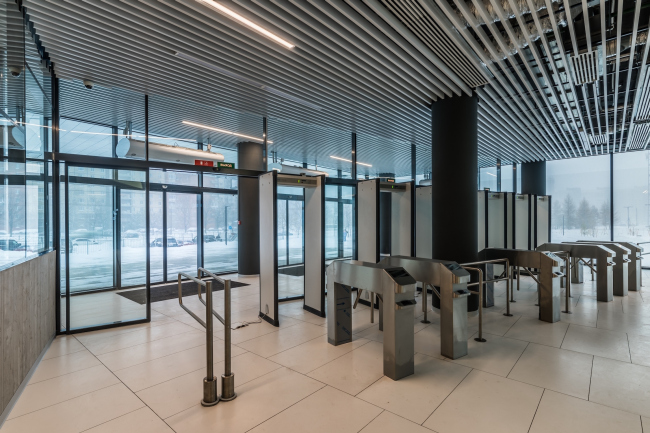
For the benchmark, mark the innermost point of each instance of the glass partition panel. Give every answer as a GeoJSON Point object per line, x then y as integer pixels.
{"type": "Point", "coordinates": [632, 197]}
{"type": "Point", "coordinates": [580, 192]}
{"type": "Point", "coordinates": [181, 234]}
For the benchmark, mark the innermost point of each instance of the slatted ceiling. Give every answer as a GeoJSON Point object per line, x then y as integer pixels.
{"type": "Point", "coordinates": [418, 16]}
{"type": "Point", "coordinates": [128, 55]}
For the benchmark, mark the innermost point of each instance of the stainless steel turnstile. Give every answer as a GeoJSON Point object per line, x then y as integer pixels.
{"type": "Point", "coordinates": [633, 265]}
{"type": "Point", "coordinates": [396, 290]}
{"type": "Point", "coordinates": [604, 264]}
{"type": "Point", "coordinates": [621, 270]}
{"type": "Point", "coordinates": [452, 281]}
{"type": "Point", "coordinates": [548, 278]}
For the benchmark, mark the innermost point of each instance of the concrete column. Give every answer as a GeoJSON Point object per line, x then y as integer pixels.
{"type": "Point", "coordinates": [250, 156]}
{"type": "Point", "coordinates": [454, 162]}
{"type": "Point", "coordinates": [533, 178]}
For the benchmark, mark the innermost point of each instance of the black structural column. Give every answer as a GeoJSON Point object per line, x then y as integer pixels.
{"type": "Point", "coordinates": [533, 178]}
{"type": "Point", "coordinates": [250, 156]}
{"type": "Point", "coordinates": [454, 162]}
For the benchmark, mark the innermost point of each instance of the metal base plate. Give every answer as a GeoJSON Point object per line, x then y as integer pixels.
{"type": "Point", "coordinates": [229, 399]}
{"type": "Point", "coordinates": [205, 404]}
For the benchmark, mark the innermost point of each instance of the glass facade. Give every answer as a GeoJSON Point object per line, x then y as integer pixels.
{"type": "Point", "coordinates": [580, 191]}
{"type": "Point", "coordinates": [25, 126]}
{"type": "Point", "coordinates": [632, 197]}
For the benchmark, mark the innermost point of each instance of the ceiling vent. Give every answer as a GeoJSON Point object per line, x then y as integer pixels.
{"type": "Point", "coordinates": [585, 67]}
{"type": "Point", "coordinates": [597, 140]}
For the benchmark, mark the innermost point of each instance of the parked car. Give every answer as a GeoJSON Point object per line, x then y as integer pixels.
{"type": "Point", "coordinates": [206, 239]}
{"type": "Point", "coordinates": [171, 242]}
{"type": "Point", "coordinates": [9, 245]}
{"type": "Point", "coordinates": [83, 241]}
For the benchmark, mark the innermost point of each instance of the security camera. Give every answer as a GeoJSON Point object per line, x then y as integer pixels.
{"type": "Point", "coordinates": [88, 84]}
{"type": "Point", "coordinates": [15, 71]}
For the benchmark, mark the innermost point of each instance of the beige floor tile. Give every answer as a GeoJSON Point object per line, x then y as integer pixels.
{"type": "Point", "coordinates": [139, 421]}
{"type": "Point", "coordinates": [178, 394]}
{"type": "Point", "coordinates": [557, 369]}
{"type": "Point", "coordinates": [497, 355]}
{"type": "Point", "coordinates": [63, 345]}
{"type": "Point", "coordinates": [621, 385]}
{"type": "Point", "coordinates": [130, 339]}
{"type": "Point", "coordinates": [258, 329]}
{"type": "Point", "coordinates": [78, 414]}
{"type": "Point", "coordinates": [599, 342]}
{"type": "Point", "coordinates": [583, 317]}
{"type": "Point", "coordinates": [276, 342]}
{"type": "Point", "coordinates": [536, 331]}
{"type": "Point", "coordinates": [49, 392]}
{"type": "Point", "coordinates": [487, 403]}
{"type": "Point", "coordinates": [416, 397]}
{"type": "Point", "coordinates": [145, 352]}
{"type": "Point", "coordinates": [427, 341]}
{"type": "Point", "coordinates": [159, 370]}
{"type": "Point", "coordinates": [88, 337]}
{"type": "Point", "coordinates": [493, 323]}
{"type": "Point", "coordinates": [65, 364]}
{"type": "Point", "coordinates": [373, 332]}
{"type": "Point", "coordinates": [632, 323]}
{"type": "Point", "coordinates": [314, 353]}
{"type": "Point", "coordinates": [327, 410]}
{"type": "Point", "coordinates": [268, 395]}
{"type": "Point", "coordinates": [387, 422]}
{"type": "Point", "coordinates": [560, 413]}
{"type": "Point", "coordinates": [640, 349]}
{"type": "Point", "coordinates": [354, 371]}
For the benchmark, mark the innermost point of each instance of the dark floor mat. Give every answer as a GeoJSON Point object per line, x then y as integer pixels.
{"type": "Point", "coordinates": [170, 291]}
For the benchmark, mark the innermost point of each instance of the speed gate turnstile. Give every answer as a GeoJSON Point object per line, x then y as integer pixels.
{"type": "Point", "coordinates": [633, 265]}
{"type": "Point", "coordinates": [548, 283]}
{"type": "Point", "coordinates": [314, 241]}
{"type": "Point", "coordinates": [451, 279]}
{"type": "Point", "coordinates": [604, 264]}
{"type": "Point", "coordinates": [396, 289]}
{"type": "Point", "coordinates": [620, 273]}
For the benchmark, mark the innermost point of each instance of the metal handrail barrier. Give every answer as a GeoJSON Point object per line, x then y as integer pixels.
{"type": "Point", "coordinates": [210, 396]}
{"type": "Point", "coordinates": [507, 278]}
{"type": "Point", "coordinates": [589, 266]}
{"type": "Point", "coordinates": [228, 377]}
{"type": "Point", "coordinates": [480, 300]}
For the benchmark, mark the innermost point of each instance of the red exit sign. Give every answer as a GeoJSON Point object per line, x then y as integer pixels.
{"type": "Point", "coordinates": [203, 163]}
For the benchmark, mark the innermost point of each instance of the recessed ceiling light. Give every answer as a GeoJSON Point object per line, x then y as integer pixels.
{"type": "Point", "coordinates": [347, 160]}
{"type": "Point", "coordinates": [232, 14]}
{"type": "Point", "coordinates": [223, 131]}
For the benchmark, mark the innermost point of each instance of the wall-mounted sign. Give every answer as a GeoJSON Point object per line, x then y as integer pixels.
{"type": "Point", "coordinates": [226, 164]}
{"type": "Point", "coordinates": [204, 163]}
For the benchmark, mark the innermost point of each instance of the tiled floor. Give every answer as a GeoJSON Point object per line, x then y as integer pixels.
{"type": "Point", "coordinates": [588, 373]}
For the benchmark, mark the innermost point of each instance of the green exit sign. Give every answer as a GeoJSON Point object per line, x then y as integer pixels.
{"type": "Point", "coordinates": [226, 164]}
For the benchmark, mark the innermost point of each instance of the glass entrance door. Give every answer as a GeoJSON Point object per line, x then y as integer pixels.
{"type": "Point", "coordinates": [220, 229]}
{"type": "Point", "coordinates": [105, 248]}
{"type": "Point", "coordinates": [180, 234]}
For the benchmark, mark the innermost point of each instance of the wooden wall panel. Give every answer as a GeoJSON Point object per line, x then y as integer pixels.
{"type": "Point", "coordinates": [27, 319]}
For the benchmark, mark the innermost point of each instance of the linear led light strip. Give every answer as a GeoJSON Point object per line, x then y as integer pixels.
{"type": "Point", "coordinates": [246, 80]}
{"type": "Point", "coordinates": [247, 22]}
{"type": "Point", "coordinates": [223, 131]}
{"type": "Point", "coordinates": [347, 160]}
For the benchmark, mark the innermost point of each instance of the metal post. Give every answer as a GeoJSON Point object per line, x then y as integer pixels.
{"type": "Point", "coordinates": [228, 378]}
{"type": "Point", "coordinates": [567, 278]}
{"type": "Point", "coordinates": [210, 396]}
{"type": "Point", "coordinates": [508, 290]}
{"type": "Point", "coordinates": [372, 307]}
{"type": "Point", "coordinates": [424, 303]}
{"type": "Point", "coordinates": [480, 307]}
